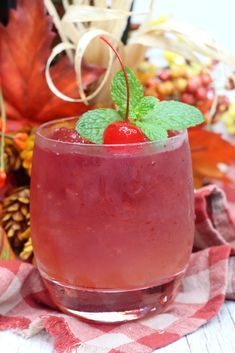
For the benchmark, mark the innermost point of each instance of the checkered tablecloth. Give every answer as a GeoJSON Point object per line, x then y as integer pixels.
{"type": "Point", "coordinates": [210, 278]}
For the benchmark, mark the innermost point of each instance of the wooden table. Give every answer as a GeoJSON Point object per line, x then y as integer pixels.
{"type": "Point", "coordinates": [218, 336]}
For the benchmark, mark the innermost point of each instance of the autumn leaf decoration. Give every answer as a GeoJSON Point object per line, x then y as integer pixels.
{"type": "Point", "coordinates": [26, 44]}
{"type": "Point", "coordinates": [209, 151]}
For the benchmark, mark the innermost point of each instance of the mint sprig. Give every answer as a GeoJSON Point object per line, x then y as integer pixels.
{"type": "Point", "coordinates": [139, 105]}
{"type": "Point", "coordinates": [118, 92]}
{"type": "Point", "coordinates": [145, 105]}
{"type": "Point", "coordinates": [153, 117]}
{"type": "Point", "coordinates": [169, 115]}
{"type": "Point", "coordinates": [173, 115]}
{"type": "Point", "coordinates": [92, 124]}
{"type": "Point", "coordinates": [152, 130]}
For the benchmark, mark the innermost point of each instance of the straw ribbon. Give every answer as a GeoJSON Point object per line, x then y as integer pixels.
{"type": "Point", "coordinates": [84, 42]}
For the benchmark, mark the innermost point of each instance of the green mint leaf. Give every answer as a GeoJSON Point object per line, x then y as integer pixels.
{"type": "Point", "coordinates": [145, 105]}
{"type": "Point", "coordinates": [152, 130]}
{"type": "Point", "coordinates": [118, 92]}
{"type": "Point", "coordinates": [172, 115]}
{"type": "Point", "coordinates": [92, 124]}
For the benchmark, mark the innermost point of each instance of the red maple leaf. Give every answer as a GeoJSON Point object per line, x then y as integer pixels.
{"type": "Point", "coordinates": [25, 45]}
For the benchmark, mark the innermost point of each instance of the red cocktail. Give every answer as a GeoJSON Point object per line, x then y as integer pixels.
{"type": "Point", "coordinates": [112, 225]}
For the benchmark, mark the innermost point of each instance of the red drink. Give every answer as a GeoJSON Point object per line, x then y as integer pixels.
{"type": "Point", "coordinates": [112, 226]}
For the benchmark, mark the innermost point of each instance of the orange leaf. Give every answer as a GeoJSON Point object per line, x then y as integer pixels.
{"type": "Point", "coordinates": [208, 150]}
{"type": "Point", "coordinates": [25, 47]}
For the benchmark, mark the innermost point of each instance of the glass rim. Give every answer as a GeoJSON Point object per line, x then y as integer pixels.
{"type": "Point", "coordinates": [39, 133]}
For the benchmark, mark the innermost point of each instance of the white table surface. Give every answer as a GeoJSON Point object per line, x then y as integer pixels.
{"type": "Point", "coordinates": [218, 336]}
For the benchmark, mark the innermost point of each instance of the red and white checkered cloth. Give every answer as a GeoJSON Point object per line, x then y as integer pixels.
{"type": "Point", "coordinates": [210, 278]}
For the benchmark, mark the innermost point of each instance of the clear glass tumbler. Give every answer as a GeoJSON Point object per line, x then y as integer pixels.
{"type": "Point", "coordinates": [112, 225]}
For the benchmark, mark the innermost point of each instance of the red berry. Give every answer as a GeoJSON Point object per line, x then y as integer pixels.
{"type": "Point", "coordinates": [68, 135]}
{"type": "Point", "coordinates": [188, 98]}
{"type": "Point", "coordinates": [165, 75]}
{"type": "Point", "coordinates": [121, 132]}
{"type": "Point", "coordinates": [201, 94]}
{"type": "Point", "coordinates": [160, 96]}
{"type": "Point", "coordinates": [3, 177]}
{"type": "Point", "coordinates": [151, 82]}
{"type": "Point", "coordinates": [205, 79]}
{"type": "Point", "coordinates": [193, 84]}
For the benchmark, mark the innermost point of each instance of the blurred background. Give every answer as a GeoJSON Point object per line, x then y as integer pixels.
{"type": "Point", "coordinates": [215, 16]}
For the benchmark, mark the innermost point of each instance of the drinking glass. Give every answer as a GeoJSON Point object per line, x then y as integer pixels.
{"type": "Point", "coordinates": [112, 225]}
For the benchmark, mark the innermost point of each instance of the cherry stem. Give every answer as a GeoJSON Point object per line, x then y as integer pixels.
{"type": "Point", "coordinates": [125, 76]}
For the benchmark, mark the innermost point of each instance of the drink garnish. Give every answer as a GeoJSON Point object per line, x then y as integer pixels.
{"type": "Point", "coordinates": [121, 132]}
{"type": "Point", "coordinates": [136, 116]}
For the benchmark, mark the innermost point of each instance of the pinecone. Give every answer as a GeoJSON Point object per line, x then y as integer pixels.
{"type": "Point", "coordinates": [11, 156]}
{"type": "Point", "coordinates": [16, 221]}
{"type": "Point", "coordinates": [27, 250]}
{"type": "Point", "coordinates": [27, 153]}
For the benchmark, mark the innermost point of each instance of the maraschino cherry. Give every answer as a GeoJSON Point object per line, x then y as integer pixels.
{"type": "Point", "coordinates": [122, 132]}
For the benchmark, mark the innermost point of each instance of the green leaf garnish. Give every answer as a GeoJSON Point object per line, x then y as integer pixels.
{"type": "Point", "coordinates": [92, 124]}
{"type": "Point", "coordinates": [139, 105]}
{"type": "Point", "coordinates": [152, 130]}
{"type": "Point", "coordinates": [173, 115]}
{"type": "Point", "coordinates": [118, 92]}
{"type": "Point", "coordinates": [169, 115]}
{"type": "Point", "coordinates": [145, 105]}
{"type": "Point", "coordinates": [153, 117]}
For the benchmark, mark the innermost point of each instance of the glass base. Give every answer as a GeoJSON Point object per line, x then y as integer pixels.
{"type": "Point", "coordinates": [111, 306]}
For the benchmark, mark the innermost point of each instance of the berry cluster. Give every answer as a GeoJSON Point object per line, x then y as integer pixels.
{"type": "Point", "coordinates": [179, 82]}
